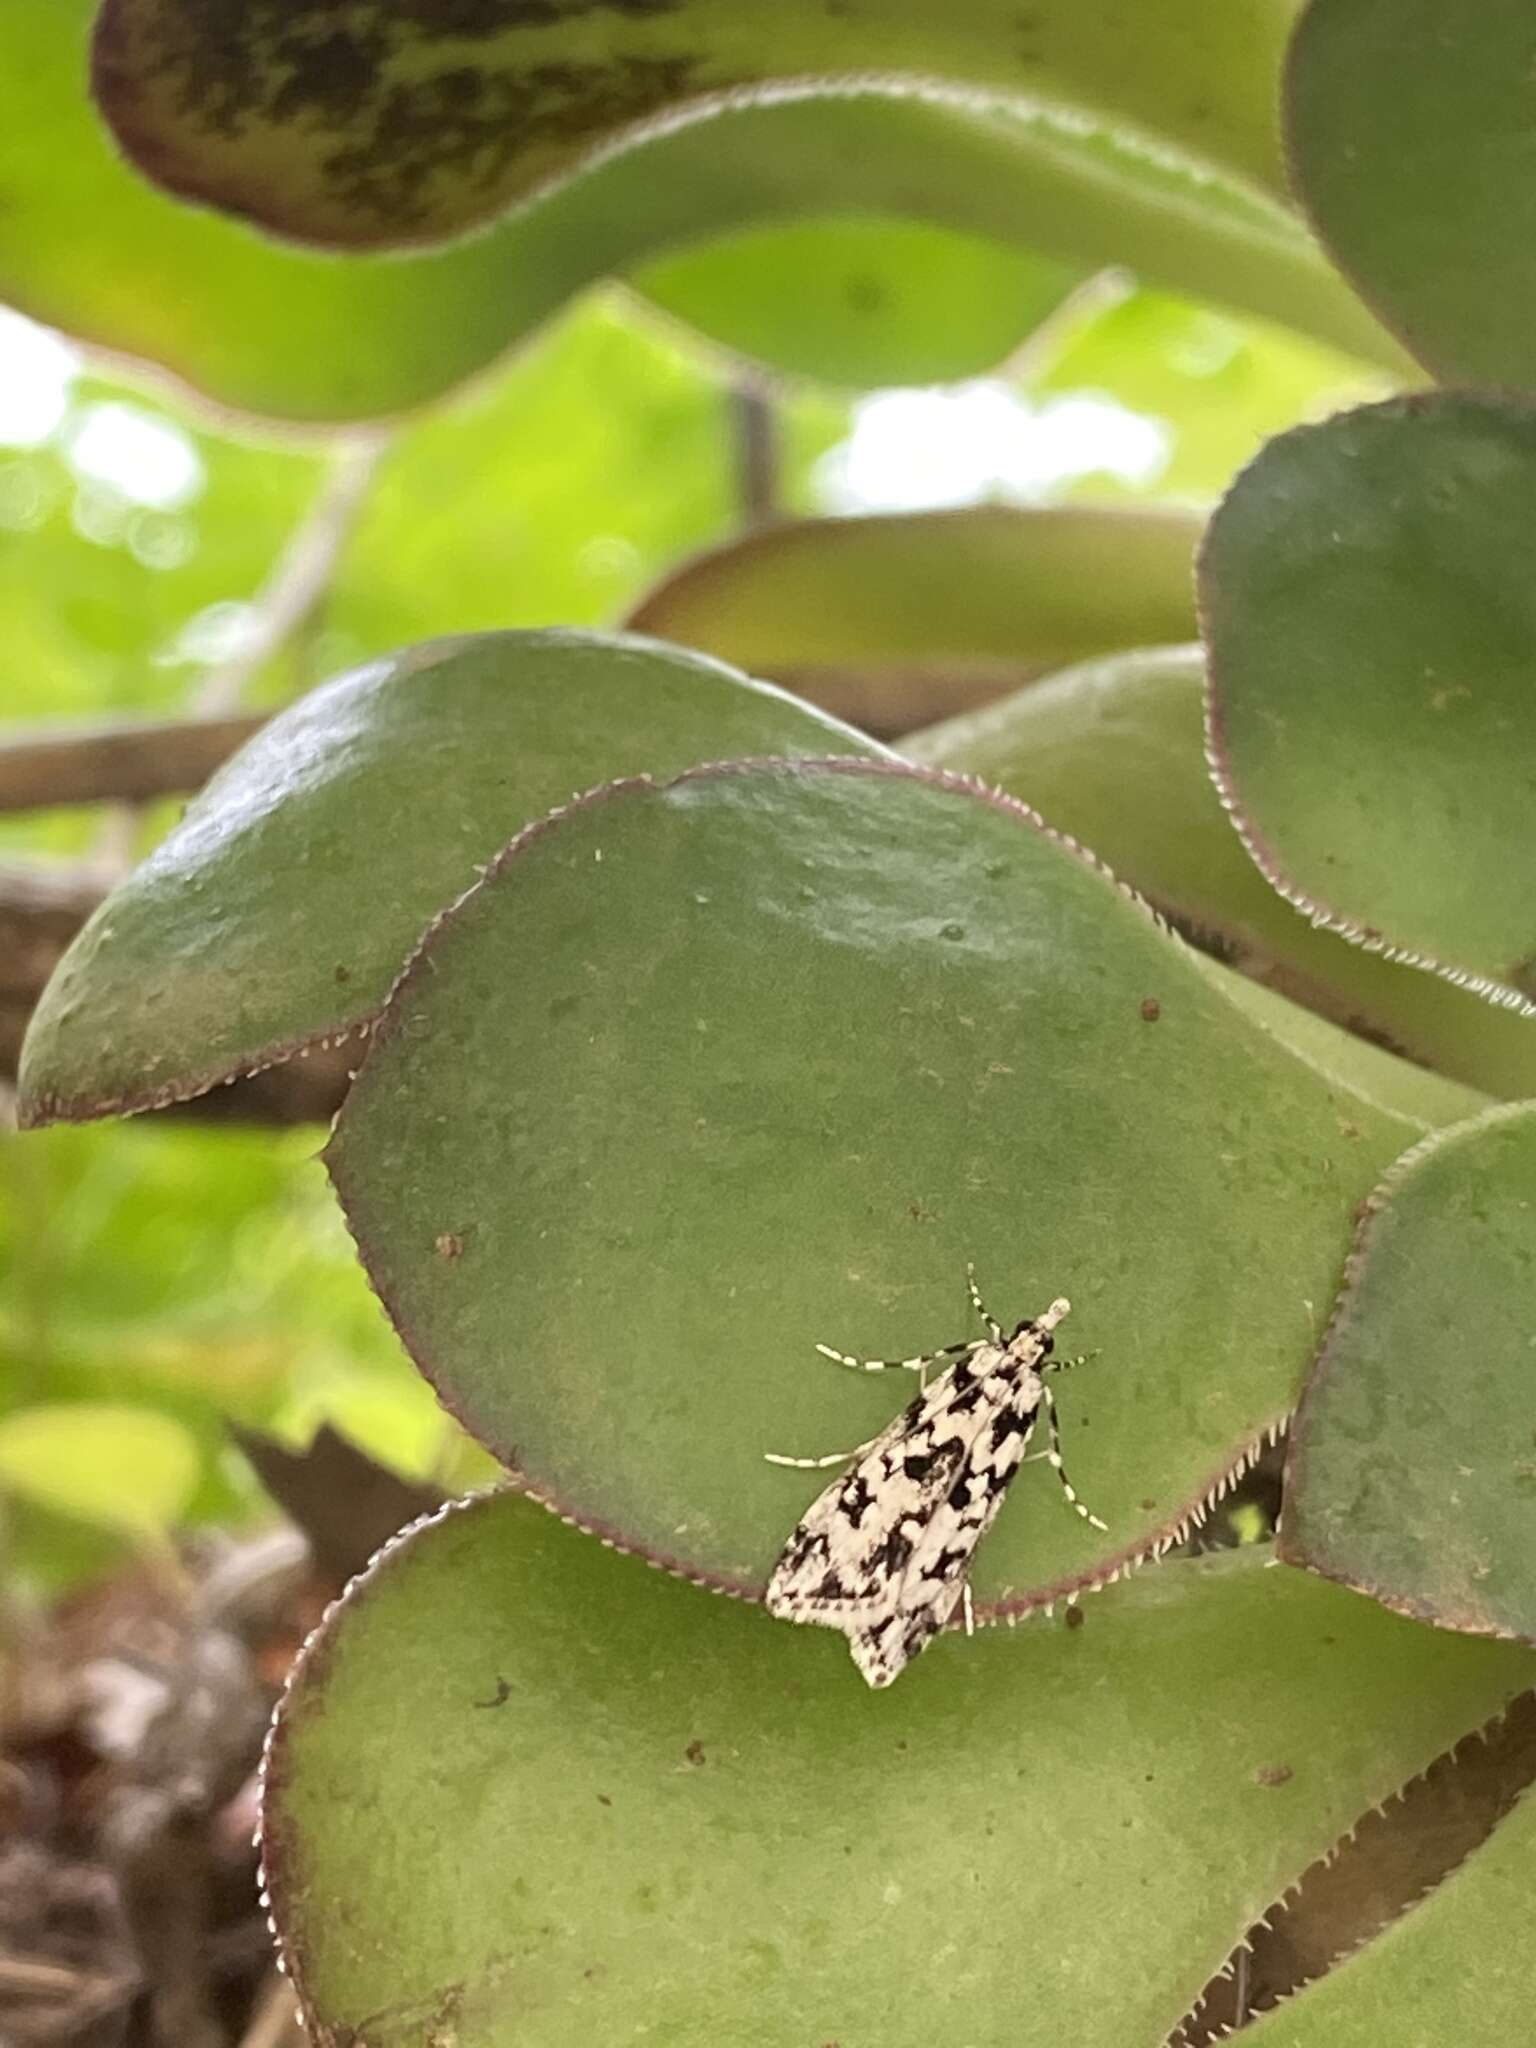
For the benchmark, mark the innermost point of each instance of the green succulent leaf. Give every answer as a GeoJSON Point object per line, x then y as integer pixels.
{"type": "Point", "coordinates": [962, 596]}
{"type": "Point", "coordinates": [1413, 1462]}
{"type": "Point", "coordinates": [1410, 1984]}
{"type": "Point", "coordinates": [1408, 128]}
{"type": "Point", "coordinates": [278, 912]}
{"type": "Point", "coordinates": [861, 301]}
{"type": "Point", "coordinates": [402, 125]}
{"type": "Point", "coordinates": [525, 1791]}
{"type": "Point", "coordinates": [87, 244]}
{"type": "Point", "coordinates": [1113, 752]}
{"type": "Point", "coordinates": [707, 1073]}
{"type": "Point", "coordinates": [1371, 624]}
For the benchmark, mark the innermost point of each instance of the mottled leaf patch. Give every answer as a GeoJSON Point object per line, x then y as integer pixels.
{"type": "Point", "coordinates": [396, 123]}
{"type": "Point", "coordinates": [389, 123]}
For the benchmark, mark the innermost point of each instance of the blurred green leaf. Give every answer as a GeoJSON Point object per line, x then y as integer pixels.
{"type": "Point", "coordinates": [889, 612]}
{"type": "Point", "coordinates": [530, 1791]}
{"type": "Point", "coordinates": [1371, 623]}
{"type": "Point", "coordinates": [198, 1274]}
{"type": "Point", "coordinates": [280, 910]}
{"type": "Point", "coordinates": [549, 496]}
{"type": "Point", "coordinates": [706, 1073]}
{"type": "Point", "coordinates": [399, 129]}
{"type": "Point", "coordinates": [111, 1463]}
{"type": "Point", "coordinates": [45, 1554]}
{"type": "Point", "coordinates": [132, 539]}
{"type": "Point", "coordinates": [1413, 1458]}
{"type": "Point", "coordinates": [1408, 126]}
{"type": "Point", "coordinates": [862, 301]}
{"type": "Point", "coordinates": [188, 1258]}
{"type": "Point", "coordinates": [1217, 385]}
{"type": "Point", "coordinates": [524, 502]}
{"type": "Point", "coordinates": [89, 246]}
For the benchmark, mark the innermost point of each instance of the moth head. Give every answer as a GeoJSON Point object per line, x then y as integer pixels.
{"type": "Point", "coordinates": [1049, 1318]}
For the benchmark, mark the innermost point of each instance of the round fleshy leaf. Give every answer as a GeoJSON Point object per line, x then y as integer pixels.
{"type": "Point", "coordinates": [522, 1790]}
{"type": "Point", "coordinates": [1370, 617]}
{"type": "Point", "coordinates": [1113, 752]}
{"type": "Point", "coordinates": [279, 911]}
{"type": "Point", "coordinates": [408, 126]}
{"type": "Point", "coordinates": [1408, 125]}
{"type": "Point", "coordinates": [1413, 1461]}
{"type": "Point", "coordinates": [705, 1074]}
{"type": "Point", "coordinates": [888, 603]}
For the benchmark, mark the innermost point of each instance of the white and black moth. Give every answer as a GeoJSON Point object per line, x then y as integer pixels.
{"type": "Point", "coordinates": [885, 1552]}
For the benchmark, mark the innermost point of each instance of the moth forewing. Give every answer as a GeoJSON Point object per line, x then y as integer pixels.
{"type": "Point", "coordinates": [849, 1548]}
{"type": "Point", "coordinates": [883, 1553]}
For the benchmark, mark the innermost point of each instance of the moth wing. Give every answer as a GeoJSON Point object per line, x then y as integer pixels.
{"type": "Point", "coordinates": [897, 1530]}
{"type": "Point", "coordinates": [886, 1646]}
{"type": "Point", "coordinates": [930, 1585]}
{"type": "Point", "coordinates": [835, 1564]}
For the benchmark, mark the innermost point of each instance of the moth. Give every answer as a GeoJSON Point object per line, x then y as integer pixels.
{"type": "Point", "coordinates": [885, 1553]}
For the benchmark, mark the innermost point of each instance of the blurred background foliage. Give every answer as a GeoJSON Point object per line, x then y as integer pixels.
{"type": "Point", "coordinates": [161, 1276]}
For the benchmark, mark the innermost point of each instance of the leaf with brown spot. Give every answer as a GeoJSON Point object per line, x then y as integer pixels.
{"type": "Point", "coordinates": [408, 121]}
{"type": "Point", "coordinates": [1007, 207]}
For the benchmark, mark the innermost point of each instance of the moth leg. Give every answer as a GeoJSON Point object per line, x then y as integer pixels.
{"type": "Point", "coordinates": [898, 1364]}
{"type": "Point", "coordinates": [1065, 1364]}
{"type": "Point", "coordinates": [994, 1327]}
{"type": "Point", "coordinates": [818, 1464]}
{"type": "Point", "coordinates": [968, 1608]}
{"type": "Point", "coordinates": [1053, 1455]}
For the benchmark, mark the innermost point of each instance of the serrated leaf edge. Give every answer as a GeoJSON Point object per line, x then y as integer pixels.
{"type": "Point", "coordinates": [1378, 1200]}
{"type": "Point", "coordinates": [1330, 1856]}
{"type": "Point", "coordinates": [1501, 994]}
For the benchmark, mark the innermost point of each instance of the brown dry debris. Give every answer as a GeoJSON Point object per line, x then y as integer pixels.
{"type": "Point", "coordinates": [131, 1722]}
